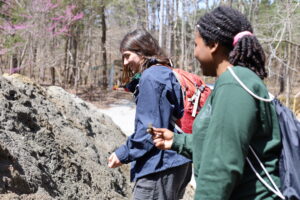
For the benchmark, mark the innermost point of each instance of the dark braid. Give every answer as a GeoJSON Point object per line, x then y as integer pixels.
{"type": "Point", "coordinates": [221, 25]}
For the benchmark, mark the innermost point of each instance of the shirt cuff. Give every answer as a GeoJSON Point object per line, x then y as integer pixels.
{"type": "Point", "coordinates": [178, 142]}
{"type": "Point", "coordinates": [122, 154]}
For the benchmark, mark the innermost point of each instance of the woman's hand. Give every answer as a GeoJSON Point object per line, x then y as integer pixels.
{"type": "Point", "coordinates": [162, 138]}
{"type": "Point", "coordinates": [113, 161]}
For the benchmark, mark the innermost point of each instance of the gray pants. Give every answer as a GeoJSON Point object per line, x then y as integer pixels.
{"type": "Point", "coordinates": [166, 185]}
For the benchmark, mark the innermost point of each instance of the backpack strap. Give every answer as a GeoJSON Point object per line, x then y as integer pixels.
{"type": "Point", "coordinates": [173, 118]}
{"type": "Point", "coordinates": [275, 190]}
{"type": "Point", "coordinates": [197, 97]}
{"type": "Point", "coordinates": [179, 80]}
{"type": "Point", "coordinates": [247, 89]}
{"type": "Point", "coordinates": [173, 122]}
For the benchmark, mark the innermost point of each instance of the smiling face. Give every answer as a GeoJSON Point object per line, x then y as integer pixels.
{"type": "Point", "coordinates": [203, 53]}
{"type": "Point", "coordinates": [132, 60]}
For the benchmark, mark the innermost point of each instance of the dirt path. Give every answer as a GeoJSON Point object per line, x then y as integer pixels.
{"type": "Point", "coordinates": [102, 98]}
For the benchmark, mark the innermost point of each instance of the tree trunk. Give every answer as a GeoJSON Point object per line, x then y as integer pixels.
{"type": "Point", "coordinates": [66, 64]}
{"type": "Point", "coordinates": [183, 33]}
{"type": "Point", "coordinates": [289, 54]}
{"type": "Point", "coordinates": [14, 63]}
{"type": "Point", "coordinates": [161, 22]}
{"type": "Point", "coordinates": [281, 79]}
{"type": "Point", "coordinates": [175, 28]}
{"type": "Point", "coordinates": [146, 21]}
{"type": "Point", "coordinates": [73, 51]}
{"type": "Point", "coordinates": [52, 71]}
{"type": "Point", "coordinates": [153, 5]}
{"type": "Point", "coordinates": [170, 14]}
{"type": "Point", "coordinates": [141, 13]}
{"type": "Point", "coordinates": [103, 48]}
{"type": "Point", "coordinates": [33, 65]}
{"type": "Point", "coordinates": [253, 12]}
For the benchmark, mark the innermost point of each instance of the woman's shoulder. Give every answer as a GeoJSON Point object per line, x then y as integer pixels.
{"type": "Point", "coordinates": [158, 69]}
{"type": "Point", "coordinates": [158, 73]}
{"type": "Point", "coordinates": [246, 76]}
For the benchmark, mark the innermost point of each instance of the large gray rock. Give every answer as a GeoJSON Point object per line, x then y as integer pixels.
{"type": "Point", "coordinates": [53, 145]}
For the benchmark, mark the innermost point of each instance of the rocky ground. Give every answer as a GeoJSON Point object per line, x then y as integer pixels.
{"type": "Point", "coordinates": [54, 145]}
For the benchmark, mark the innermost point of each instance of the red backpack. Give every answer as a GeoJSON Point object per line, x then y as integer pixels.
{"type": "Point", "coordinates": [195, 93]}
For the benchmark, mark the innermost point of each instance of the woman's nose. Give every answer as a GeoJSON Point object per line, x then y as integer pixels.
{"type": "Point", "coordinates": [125, 61]}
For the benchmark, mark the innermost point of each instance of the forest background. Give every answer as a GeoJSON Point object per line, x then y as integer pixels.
{"type": "Point", "coordinates": [75, 43]}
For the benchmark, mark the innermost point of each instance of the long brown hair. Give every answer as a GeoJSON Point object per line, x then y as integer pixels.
{"type": "Point", "coordinates": [145, 45]}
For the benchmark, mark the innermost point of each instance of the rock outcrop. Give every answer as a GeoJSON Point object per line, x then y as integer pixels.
{"type": "Point", "coordinates": [54, 145]}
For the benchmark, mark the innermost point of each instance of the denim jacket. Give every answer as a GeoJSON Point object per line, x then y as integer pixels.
{"type": "Point", "coordinates": [158, 98]}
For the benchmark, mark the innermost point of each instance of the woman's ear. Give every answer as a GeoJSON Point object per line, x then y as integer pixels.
{"type": "Point", "coordinates": [214, 46]}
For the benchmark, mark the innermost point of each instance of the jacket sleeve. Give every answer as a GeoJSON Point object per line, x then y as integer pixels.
{"type": "Point", "coordinates": [232, 124]}
{"type": "Point", "coordinates": [153, 107]}
{"type": "Point", "coordinates": [182, 144]}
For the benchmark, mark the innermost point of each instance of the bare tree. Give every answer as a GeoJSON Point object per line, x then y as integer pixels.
{"type": "Point", "coordinates": [183, 36]}
{"type": "Point", "coordinates": [103, 43]}
{"type": "Point", "coordinates": [161, 22]}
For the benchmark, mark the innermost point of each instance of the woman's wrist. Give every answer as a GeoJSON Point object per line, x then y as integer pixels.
{"type": "Point", "coordinates": [175, 145]}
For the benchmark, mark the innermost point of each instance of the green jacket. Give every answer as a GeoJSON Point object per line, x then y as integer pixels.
{"type": "Point", "coordinates": [228, 123]}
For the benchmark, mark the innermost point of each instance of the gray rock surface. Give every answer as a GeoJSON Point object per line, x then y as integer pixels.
{"type": "Point", "coordinates": [53, 145]}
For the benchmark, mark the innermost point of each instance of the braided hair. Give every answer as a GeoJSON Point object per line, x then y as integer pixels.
{"type": "Point", "coordinates": [145, 45]}
{"type": "Point", "coordinates": [221, 25]}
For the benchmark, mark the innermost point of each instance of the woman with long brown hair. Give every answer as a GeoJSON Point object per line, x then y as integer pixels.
{"type": "Point", "coordinates": [159, 174]}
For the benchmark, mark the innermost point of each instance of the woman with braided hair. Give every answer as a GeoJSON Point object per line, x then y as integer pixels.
{"type": "Point", "coordinates": [231, 120]}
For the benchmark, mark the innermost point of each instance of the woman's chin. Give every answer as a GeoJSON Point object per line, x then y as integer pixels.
{"type": "Point", "coordinates": [208, 71]}
{"type": "Point", "coordinates": [205, 72]}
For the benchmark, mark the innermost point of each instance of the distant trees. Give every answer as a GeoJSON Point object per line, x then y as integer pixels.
{"type": "Point", "coordinates": [76, 42]}
{"type": "Point", "coordinates": [31, 30]}
{"type": "Point", "coordinates": [278, 25]}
